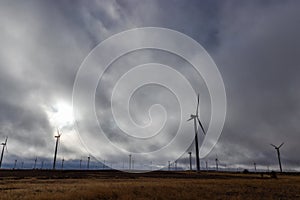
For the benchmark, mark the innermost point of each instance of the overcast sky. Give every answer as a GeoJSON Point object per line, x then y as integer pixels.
{"type": "Point", "coordinates": [255, 45]}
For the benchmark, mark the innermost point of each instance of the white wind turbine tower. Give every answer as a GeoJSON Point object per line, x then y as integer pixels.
{"type": "Point", "coordinates": [278, 154]}
{"type": "Point", "coordinates": [195, 117]}
{"type": "Point", "coordinates": [4, 145]}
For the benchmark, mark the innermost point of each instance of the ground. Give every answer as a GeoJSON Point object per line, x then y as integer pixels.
{"type": "Point", "coordinates": [86, 185]}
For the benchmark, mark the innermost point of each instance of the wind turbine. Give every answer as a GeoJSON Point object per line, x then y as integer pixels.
{"type": "Point", "coordinates": [217, 163]}
{"type": "Point", "coordinates": [88, 162]}
{"type": "Point", "coordinates": [15, 164]}
{"type": "Point", "coordinates": [195, 117]}
{"type": "Point", "coordinates": [42, 164]}
{"type": "Point", "coordinates": [56, 144]}
{"type": "Point", "coordinates": [35, 160]}
{"type": "Point", "coordinates": [132, 163]}
{"type": "Point", "coordinates": [62, 163]}
{"type": "Point", "coordinates": [190, 157]}
{"type": "Point", "coordinates": [129, 164]}
{"type": "Point", "coordinates": [4, 145]}
{"type": "Point", "coordinates": [278, 154]}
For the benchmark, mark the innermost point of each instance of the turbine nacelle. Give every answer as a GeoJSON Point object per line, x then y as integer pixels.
{"type": "Point", "coordinates": [196, 117]}
{"type": "Point", "coordinates": [58, 134]}
{"type": "Point", "coordinates": [277, 147]}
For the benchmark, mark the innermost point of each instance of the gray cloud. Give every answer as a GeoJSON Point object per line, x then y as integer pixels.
{"type": "Point", "coordinates": [254, 44]}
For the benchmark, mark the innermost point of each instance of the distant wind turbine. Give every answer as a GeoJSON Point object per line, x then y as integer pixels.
{"type": "Point", "coordinates": [129, 162]}
{"type": "Point", "coordinates": [42, 164]}
{"type": "Point", "coordinates": [35, 160]}
{"type": "Point", "coordinates": [4, 145]}
{"type": "Point", "coordinates": [62, 163]}
{"type": "Point", "coordinates": [190, 158]}
{"type": "Point", "coordinates": [88, 162]}
{"type": "Point", "coordinates": [195, 117]}
{"type": "Point", "coordinates": [15, 165]}
{"type": "Point", "coordinates": [217, 163]}
{"type": "Point", "coordinates": [278, 154]}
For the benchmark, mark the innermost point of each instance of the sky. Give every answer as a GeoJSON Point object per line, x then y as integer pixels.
{"type": "Point", "coordinates": [255, 45]}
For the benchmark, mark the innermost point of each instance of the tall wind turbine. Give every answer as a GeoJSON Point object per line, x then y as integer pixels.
{"type": "Point", "coordinates": [195, 117]}
{"type": "Point", "coordinates": [278, 154]}
{"type": "Point", "coordinates": [4, 145]}
{"type": "Point", "coordinates": [56, 144]}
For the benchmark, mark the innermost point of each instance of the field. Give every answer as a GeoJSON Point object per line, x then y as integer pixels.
{"type": "Point", "coordinates": [85, 185]}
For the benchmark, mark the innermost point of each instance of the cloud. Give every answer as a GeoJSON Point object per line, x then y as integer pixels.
{"type": "Point", "coordinates": [255, 45]}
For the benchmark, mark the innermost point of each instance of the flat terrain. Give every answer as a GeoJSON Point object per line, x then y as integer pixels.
{"type": "Point", "coordinates": [43, 184]}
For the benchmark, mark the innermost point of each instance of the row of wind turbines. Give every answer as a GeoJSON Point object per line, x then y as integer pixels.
{"type": "Point", "coordinates": [194, 117]}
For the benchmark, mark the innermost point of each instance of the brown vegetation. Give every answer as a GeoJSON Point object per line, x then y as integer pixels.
{"type": "Point", "coordinates": [157, 185]}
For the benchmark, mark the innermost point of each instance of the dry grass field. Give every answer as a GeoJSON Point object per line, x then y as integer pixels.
{"type": "Point", "coordinates": [87, 185]}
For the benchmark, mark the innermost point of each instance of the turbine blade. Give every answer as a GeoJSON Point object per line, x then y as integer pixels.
{"type": "Point", "coordinates": [197, 104]}
{"type": "Point", "coordinates": [280, 145]}
{"type": "Point", "coordinates": [273, 145]}
{"type": "Point", "coordinates": [201, 125]}
{"type": "Point", "coordinates": [57, 131]}
{"type": "Point", "coordinates": [190, 119]}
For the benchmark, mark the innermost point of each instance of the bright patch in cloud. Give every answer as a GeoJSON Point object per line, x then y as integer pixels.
{"type": "Point", "coordinates": [61, 115]}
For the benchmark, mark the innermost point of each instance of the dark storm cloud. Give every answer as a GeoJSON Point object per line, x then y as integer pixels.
{"type": "Point", "coordinates": [255, 45]}
{"type": "Point", "coordinates": [258, 56]}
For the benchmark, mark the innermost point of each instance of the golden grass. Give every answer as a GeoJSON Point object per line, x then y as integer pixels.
{"type": "Point", "coordinates": [285, 187]}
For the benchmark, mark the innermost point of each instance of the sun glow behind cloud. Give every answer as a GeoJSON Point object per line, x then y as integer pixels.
{"type": "Point", "coordinates": [61, 115]}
